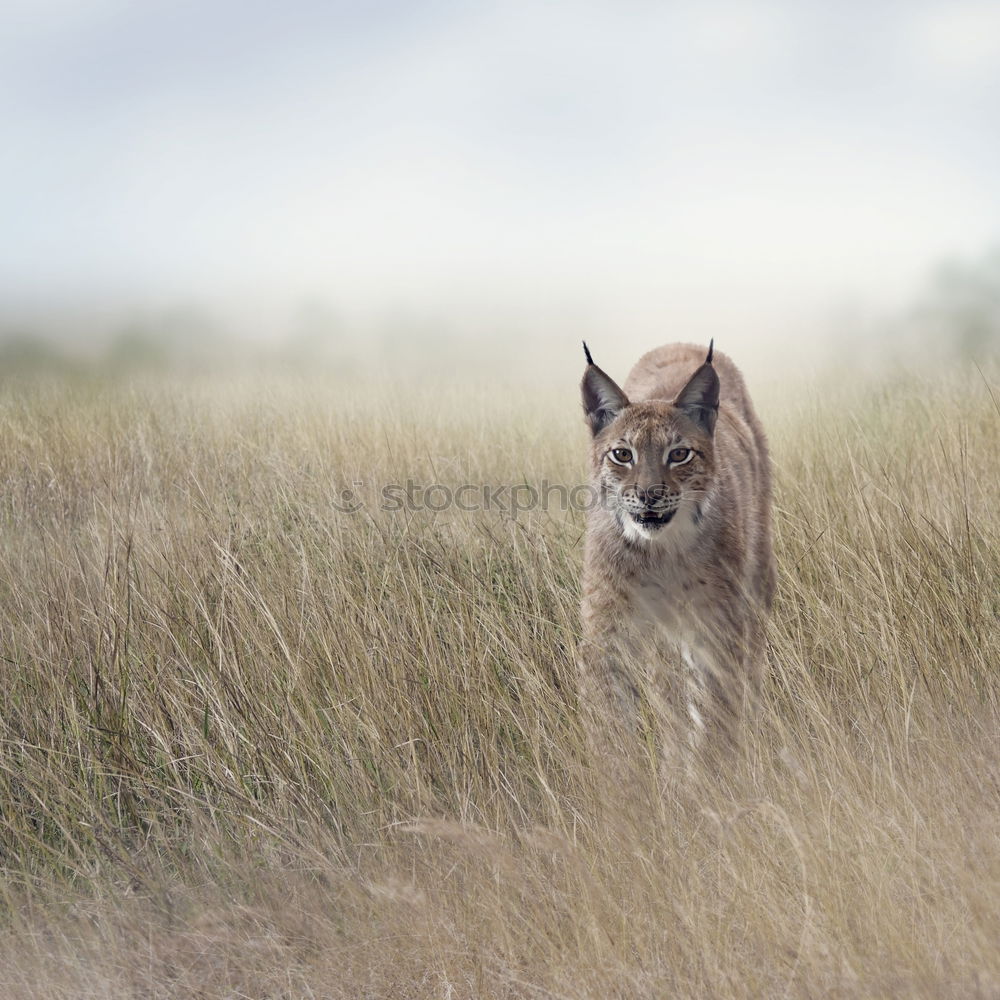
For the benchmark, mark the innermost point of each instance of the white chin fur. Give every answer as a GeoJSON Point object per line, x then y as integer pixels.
{"type": "Point", "coordinates": [679, 531]}
{"type": "Point", "coordinates": [636, 532]}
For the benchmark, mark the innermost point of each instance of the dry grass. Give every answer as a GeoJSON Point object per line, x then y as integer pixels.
{"type": "Point", "coordinates": [254, 747]}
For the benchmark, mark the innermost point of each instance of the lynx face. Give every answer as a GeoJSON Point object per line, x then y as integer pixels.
{"type": "Point", "coordinates": [654, 466]}
{"type": "Point", "coordinates": [653, 460]}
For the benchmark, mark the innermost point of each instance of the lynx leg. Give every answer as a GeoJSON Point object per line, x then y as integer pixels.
{"type": "Point", "coordinates": [610, 695]}
{"type": "Point", "coordinates": [716, 682]}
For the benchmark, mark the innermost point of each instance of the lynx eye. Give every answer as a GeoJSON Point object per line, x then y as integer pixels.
{"type": "Point", "coordinates": [622, 456]}
{"type": "Point", "coordinates": [678, 456]}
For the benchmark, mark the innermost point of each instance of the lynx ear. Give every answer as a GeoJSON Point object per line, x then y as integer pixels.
{"type": "Point", "coordinates": [602, 399]}
{"type": "Point", "coordinates": [699, 399]}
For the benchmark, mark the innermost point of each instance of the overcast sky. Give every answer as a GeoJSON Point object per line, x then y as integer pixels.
{"type": "Point", "coordinates": [677, 163]}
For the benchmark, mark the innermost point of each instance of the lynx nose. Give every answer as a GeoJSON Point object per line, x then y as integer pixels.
{"type": "Point", "coordinates": [652, 496]}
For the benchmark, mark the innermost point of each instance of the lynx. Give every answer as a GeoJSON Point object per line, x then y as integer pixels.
{"type": "Point", "coordinates": [678, 565]}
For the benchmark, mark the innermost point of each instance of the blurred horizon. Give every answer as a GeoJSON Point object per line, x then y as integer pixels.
{"type": "Point", "coordinates": [450, 178]}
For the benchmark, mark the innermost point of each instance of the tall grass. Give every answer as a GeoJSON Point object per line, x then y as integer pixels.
{"type": "Point", "coordinates": [252, 745]}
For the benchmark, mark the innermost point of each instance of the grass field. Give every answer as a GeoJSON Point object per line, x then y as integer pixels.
{"type": "Point", "coordinates": [255, 746]}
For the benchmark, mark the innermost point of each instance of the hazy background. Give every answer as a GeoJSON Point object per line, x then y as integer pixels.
{"type": "Point", "coordinates": [381, 183]}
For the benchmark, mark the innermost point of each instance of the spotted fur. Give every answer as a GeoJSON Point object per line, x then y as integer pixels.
{"type": "Point", "coordinates": [678, 566]}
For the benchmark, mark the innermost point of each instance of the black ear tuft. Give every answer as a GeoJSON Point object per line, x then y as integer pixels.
{"type": "Point", "coordinates": [590, 360]}
{"type": "Point", "coordinates": [708, 360]}
{"type": "Point", "coordinates": [699, 399]}
{"type": "Point", "coordinates": [602, 399]}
